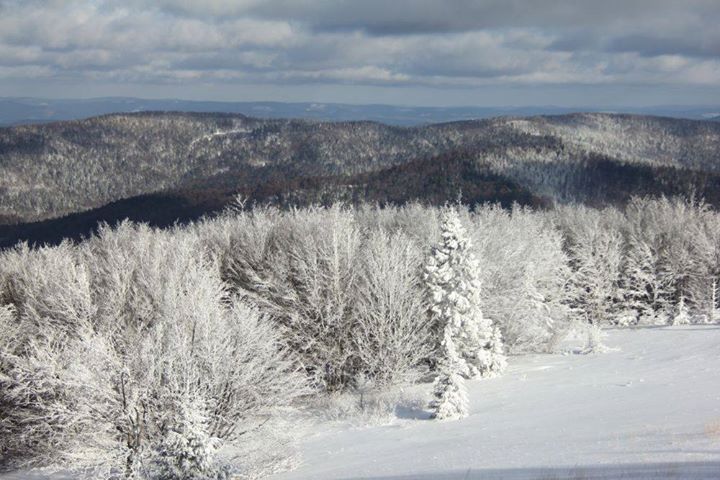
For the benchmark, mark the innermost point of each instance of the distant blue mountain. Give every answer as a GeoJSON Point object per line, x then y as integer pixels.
{"type": "Point", "coordinates": [17, 111]}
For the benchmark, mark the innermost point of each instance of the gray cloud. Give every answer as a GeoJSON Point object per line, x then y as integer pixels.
{"type": "Point", "coordinates": [688, 44]}
{"type": "Point", "coordinates": [434, 16]}
{"type": "Point", "coordinates": [433, 44]}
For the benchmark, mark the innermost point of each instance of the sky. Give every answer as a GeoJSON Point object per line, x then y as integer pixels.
{"type": "Point", "coordinates": [405, 52]}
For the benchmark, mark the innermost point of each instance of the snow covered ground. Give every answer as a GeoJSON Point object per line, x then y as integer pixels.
{"type": "Point", "coordinates": [649, 410]}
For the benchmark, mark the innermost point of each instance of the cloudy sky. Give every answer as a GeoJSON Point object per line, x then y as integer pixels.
{"type": "Point", "coordinates": [419, 52]}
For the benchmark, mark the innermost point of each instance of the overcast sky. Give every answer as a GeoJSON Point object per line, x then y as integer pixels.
{"type": "Point", "coordinates": [415, 52]}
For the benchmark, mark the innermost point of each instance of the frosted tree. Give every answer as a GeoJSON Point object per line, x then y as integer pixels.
{"type": "Point", "coordinates": [206, 371]}
{"type": "Point", "coordinates": [392, 332]}
{"type": "Point", "coordinates": [712, 309]}
{"type": "Point", "coordinates": [186, 450]}
{"type": "Point", "coordinates": [450, 400]}
{"type": "Point", "coordinates": [596, 261]}
{"type": "Point", "coordinates": [681, 315]}
{"type": "Point", "coordinates": [495, 352]}
{"type": "Point", "coordinates": [524, 276]}
{"type": "Point", "coordinates": [451, 276]}
{"type": "Point", "coordinates": [307, 283]}
{"type": "Point", "coordinates": [671, 253]}
{"type": "Point", "coordinates": [646, 288]}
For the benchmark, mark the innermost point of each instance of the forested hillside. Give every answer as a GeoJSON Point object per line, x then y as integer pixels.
{"type": "Point", "coordinates": [52, 170]}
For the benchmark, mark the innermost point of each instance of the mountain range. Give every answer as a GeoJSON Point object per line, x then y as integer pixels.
{"type": "Point", "coordinates": [20, 111]}
{"type": "Point", "coordinates": [59, 179]}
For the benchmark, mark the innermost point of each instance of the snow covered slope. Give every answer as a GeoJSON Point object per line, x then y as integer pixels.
{"type": "Point", "coordinates": [649, 410]}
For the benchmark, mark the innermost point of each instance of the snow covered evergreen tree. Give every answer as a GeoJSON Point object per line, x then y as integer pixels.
{"type": "Point", "coordinates": [681, 316]}
{"type": "Point", "coordinates": [450, 400]}
{"type": "Point", "coordinates": [451, 276]}
{"type": "Point", "coordinates": [187, 451]}
{"type": "Point", "coordinates": [495, 353]}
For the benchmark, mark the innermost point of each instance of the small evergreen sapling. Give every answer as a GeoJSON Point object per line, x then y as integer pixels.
{"type": "Point", "coordinates": [187, 451]}
{"type": "Point", "coordinates": [681, 317]}
{"type": "Point", "coordinates": [495, 360]}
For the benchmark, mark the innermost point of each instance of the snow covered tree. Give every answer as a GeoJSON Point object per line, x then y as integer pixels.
{"type": "Point", "coordinates": [672, 252]}
{"type": "Point", "coordinates": [187, 451]}
{"type": "Point", "coordinates": [647, 290]}
{"type": "Point", "coordinates": [681, 316]}
{"type": "Point", "coordinates": [495, 352]}
{"type": "Point", "coordinates": [305, 279]}
{"type": "Point", "coordinates": [58, 399]}
{"type": "Point", "coordinates": [450, 400]}
{"type": "Point", "coordinates": [104, 401]}
{"type": "Point", "coordinates": [712, 308]}
{"type": "Point", "coordinates": [524, 276]}
{"type": "Point", "coordinates": [391, 337]}
{"type": "Point", "coordinates": [451, 276]}
{"type": "Point", "coordinates": [596, 260]}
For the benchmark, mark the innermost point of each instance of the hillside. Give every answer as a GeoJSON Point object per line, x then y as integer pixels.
{"type": "Point", "coordinates": [606, 416]}
{"type": "Point", "coordinates": [56, 169]}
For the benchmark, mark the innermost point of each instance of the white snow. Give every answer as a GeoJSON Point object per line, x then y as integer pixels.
{"type": "Point", "coordinates": [218, 133]}
{"type": "Point", "coordinates": [650, 409]}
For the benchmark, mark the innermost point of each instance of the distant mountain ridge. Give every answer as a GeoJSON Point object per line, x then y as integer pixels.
{"type": "Point", "coordinates": [198, 162]}
{"type": "Point", "coordinates": [20, 111]}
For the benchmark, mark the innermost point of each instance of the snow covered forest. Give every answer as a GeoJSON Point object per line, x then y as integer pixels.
{"type": "Point", "coordinates": [181, 353]}
{"type": "Point", "coordinates": [56, 169]}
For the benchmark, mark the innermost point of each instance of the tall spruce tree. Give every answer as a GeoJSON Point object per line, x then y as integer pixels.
{"type": "Point", "coordinates": [450, 400]}
{"type": "Point", "coordinates": [451, 276]}
{"type": "Point", "coordinates": [470, 345]}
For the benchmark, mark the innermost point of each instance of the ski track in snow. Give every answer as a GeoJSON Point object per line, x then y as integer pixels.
{"type": "Point", "coordinates": [648, 410]}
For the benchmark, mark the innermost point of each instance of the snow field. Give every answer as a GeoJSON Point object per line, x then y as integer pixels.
{"type": "Point", "coordinates": [649, 409]}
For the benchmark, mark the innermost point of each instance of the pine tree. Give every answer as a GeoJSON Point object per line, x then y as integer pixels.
{"type": "Point", "coordinates": [451, 276]}
{"type": "Point", "coordinates": [681, 316]}
{"type": "Point", "coordinates": [495, 355]}
{"type": "Point", "coordinates": [187, 451]}
{"type": "Point", "coordinates": [450, 396]}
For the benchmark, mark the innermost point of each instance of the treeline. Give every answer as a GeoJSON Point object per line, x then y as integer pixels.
{"type": "Point", "coordinates": [143, 353]}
